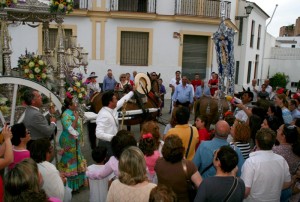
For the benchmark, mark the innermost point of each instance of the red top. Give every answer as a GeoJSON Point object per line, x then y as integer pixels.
{"type": "Point", "coordinates": [203, 135]}
{"type": "Point", "coordinates": [196, 83]}
{"type": "Point", "coordinates": [213, 82]}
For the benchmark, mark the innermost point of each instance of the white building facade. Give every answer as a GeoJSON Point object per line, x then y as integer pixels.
{"type": "Point", "coordinates": [161, 36]}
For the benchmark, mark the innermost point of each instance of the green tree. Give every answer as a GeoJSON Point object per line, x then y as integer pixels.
{"type": "Point", "coordinates": [279, 79]}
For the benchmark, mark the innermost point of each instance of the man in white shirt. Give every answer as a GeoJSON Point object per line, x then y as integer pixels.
{"type": "Point", "coordinates": [173, 83]}
{"type": "Point", "coordinates": [242, 109]}
{"type": "Point", "coordinates": [265, 173]}
{"type": "Point", "coordinates": [268, 87]}
{"type": "Point", "coordinates": [253, 88]}
{"type": "Point", "coordinates": [107, 119]}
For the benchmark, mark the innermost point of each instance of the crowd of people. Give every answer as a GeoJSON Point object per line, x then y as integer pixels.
{"type": "Point", "coordinates": [252, 154]}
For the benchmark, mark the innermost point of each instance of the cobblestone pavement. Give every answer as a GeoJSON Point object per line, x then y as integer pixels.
{"type": "Point", "coordinates": [83, 194]}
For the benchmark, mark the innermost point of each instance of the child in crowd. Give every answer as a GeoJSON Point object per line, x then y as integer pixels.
{"type": "Point", "coordinates": [19, 140]}
{"type": "Point", "coordinates": [98, 188]}
{"type": "Point", "coordinates": [202, 131]}
{"type": "Point", "coordinates": [147, 146]}
{"type": "Point", "coordinates": [162, 193]}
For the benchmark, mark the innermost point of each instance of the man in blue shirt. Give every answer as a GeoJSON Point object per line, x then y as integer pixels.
{"type": "Point", "coordinates": [202, 90]}
{"type": "Point", "coordinates": [183, 94]}
{"type": "Point", "coordinates": [109, 81]}
{"type": "Point", "coordinates": [203, 158]}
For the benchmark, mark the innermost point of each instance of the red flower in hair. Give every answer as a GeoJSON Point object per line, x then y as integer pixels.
{"type": "Point", "coordinates": [147, 135]}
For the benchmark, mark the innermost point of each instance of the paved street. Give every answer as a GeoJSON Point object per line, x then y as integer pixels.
{"type": "Point", "coordinates": [83, 195]}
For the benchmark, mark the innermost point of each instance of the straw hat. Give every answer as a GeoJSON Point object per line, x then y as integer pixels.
{"type": "Point", "coordinates": [92, 75]}
{"type": "Point", "coordinates": [142, 81]}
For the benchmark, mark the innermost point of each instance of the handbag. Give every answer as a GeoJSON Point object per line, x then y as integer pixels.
{"type": "Point", "coordinates": [192, 191]}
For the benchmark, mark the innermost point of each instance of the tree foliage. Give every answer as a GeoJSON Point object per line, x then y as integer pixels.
{"type": "Point", "coordinates": [279, 79]}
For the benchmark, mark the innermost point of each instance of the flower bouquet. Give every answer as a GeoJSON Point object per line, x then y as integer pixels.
{"type": "Point", "coordinates": [75, 88]}
{"type": "Point", "coordinates": [34, 68]}
{"type": "Point", "coordinates": [8, 3]}
{"type": "Point", "coordinates": [63, 6]}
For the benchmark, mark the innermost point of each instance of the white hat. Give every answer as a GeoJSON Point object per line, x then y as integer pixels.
{"type": "Point", "coordinates": [93, 75]}
{"type": "Point", "coordinates": [142, 83]}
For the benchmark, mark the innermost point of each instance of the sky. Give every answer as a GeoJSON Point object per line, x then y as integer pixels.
{"type": "Point", "coordinates": [286, 13]}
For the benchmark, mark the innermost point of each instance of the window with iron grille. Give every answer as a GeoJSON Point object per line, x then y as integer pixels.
{"type": "Point", "coordinates": [237, 69]}
{"type": "Point", "coordinates": [249, 71]}
{"type": "Point", "coordinates": [134, 48]}
{"type": "Point", "coordinates": [258, 36]}
{"type": "Point", "coordinates": [53, 36]}
{"type": "Point", "coordinates": [252, 33]}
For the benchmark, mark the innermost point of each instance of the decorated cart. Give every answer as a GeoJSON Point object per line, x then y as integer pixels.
{"type": "Point", "coordinates": [50, 73]}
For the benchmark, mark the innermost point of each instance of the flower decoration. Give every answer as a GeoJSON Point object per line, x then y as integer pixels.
{"type": "Point", "coordinates": [63, 6]}
{"type": "Point", "coordinates": [4, 106]}
{"type": "Point", "coordinates": [75, 87]}
{"type": "Point", "coordinates": [8, 3]}
{"type": "Point", "coordinates": [33, 67]}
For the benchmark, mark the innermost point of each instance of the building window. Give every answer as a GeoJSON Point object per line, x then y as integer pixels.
{"type": "Point", "coordinates": [293, 46]}
{"type": "Point", "coordinates": [240, 32]}
{"type": "Point", "coordinates": [237, 69]}
{"type": "Point", "coordinates": [249, 71]}
{"type": "Point", "coordinates": [134, 48]}
{"type": "Point", "coordinates": [256, 65]}
{"type": "Point", "coordinates": [53, 37]}
{"type": "Point", "coordinates": [258, 36]}
{"type": "Point", "coordinates": [252, 34]}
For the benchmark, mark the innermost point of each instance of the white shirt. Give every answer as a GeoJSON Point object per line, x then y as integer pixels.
{"type": "Point", "coordinates": [98, 188]}
{"type": "Point", "coordinates": [173, 82]}
{"type": "Point", "coordinates": [269, 89]}
{"type": "Point", "coordinates": [93, 86]}
{"type": "Point", "coordinates": [265, 172]}
{"type": "Point", "coordinates": [107, 120]}
{"type": "Point", "coordinates": [251, 88]}
{"type": "Point", "coordinates": [53, 184]}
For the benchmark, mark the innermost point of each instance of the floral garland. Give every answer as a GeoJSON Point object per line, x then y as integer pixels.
{"type": "Point", "coordinates": [4, 106]}
{"type": "Point", "coordinates": [75, 88]}
{"type": "Point", "coordinates": [34, 67]}
{"type": "Point", "coordinates": [61, 6]}
{"type": "Point", "coordinates": [8, 3]}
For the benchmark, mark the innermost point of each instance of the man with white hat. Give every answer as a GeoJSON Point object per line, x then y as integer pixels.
{"type": "Point", "coordinates": [92, 85]}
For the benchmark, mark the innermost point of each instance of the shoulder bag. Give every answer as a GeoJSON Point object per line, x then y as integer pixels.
{"type": "Point", "coordinates": [192, 191]}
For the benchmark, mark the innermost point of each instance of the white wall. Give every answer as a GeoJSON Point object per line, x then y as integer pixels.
{"type": "Point", "coordinates": [245, 53]}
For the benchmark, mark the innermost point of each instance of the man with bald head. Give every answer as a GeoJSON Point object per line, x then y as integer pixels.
{"type": "Point", "coordinates": [203, 158]}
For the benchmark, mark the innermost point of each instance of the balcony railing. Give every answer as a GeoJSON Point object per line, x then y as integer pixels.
{"type": "Point", "coordinates": [143, 6]}
{"type": "Point", "coordinates": [203, 8]}
{"type": "Point", "coordinates": [81, 4]}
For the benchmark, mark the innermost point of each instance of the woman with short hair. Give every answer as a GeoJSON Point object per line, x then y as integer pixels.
{"type": "Point", "coordinates": [132, 184]}
{"type": "Point", "coordinates": [170, 168]}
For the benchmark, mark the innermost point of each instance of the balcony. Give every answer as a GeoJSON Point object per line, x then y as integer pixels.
{"type": "Point", "coordinates": [201, 8]}
{"type": "Point", "coordinates": [142, 6]}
